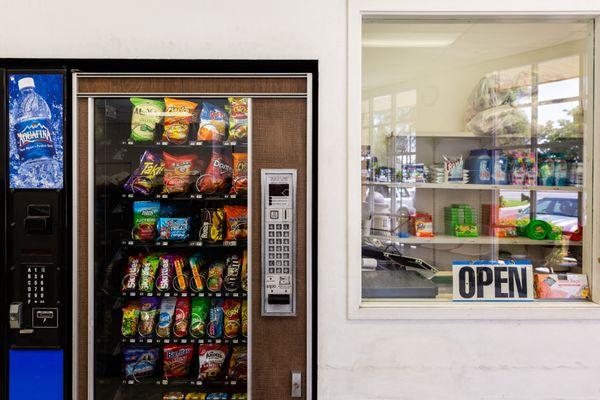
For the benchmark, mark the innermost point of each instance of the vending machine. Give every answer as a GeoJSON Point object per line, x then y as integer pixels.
{"type": "Point", "coordinates": [159, 234]}
{"type": "Point", "coordinates": [194, 235]}
{"type": "Point", "coordinates": [36, 259]}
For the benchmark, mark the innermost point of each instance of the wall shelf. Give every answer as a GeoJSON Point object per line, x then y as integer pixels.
{"type": "Point", "coordinates": [484, 240]}
{"type": "Point", "coordinates": [469, 186]}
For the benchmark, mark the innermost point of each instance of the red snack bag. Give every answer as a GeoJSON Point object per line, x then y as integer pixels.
{"type": "Point", "coordinates": [177, 360]}
{"type": "Point", "coordinates": [211, 359]}
{"type": "Point", "coordinates": [237, 222]}
{"type": "Point", "coordinates": [218, 175]}
{"type": "Point", "coordinates": [240, 173]}
{"type": "Point", "coordinates": [178, 172]}
{"type": "Point", "coordinates": [182, 317]}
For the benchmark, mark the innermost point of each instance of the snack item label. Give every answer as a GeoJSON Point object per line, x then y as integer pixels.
{"type": "Point", "coordinates": [200, 307]}
{"type": "Point", "coordinates": [132, 272]}
{"type": "Point", "coordinates": [198, 281]}
{"type": "Point", "coordinates": [166, 317]}
{"type": "Point", "coordinates": [182, 317]}
{"type": "Point", "coordinates": [179, 171]}
{"type": "Point", "coordinates": [240, 173]}
{"type": "Point", "coordinates": [238, 364]}
{"type": "Point", "coordinates": [131, 319]}
{"type": "Point", "coordinates": [139, 362]}
{"type": "Point", "coordinates": [148, 313]}
{"type": "Point", "coordinates": [212, 225]}
{"type": "Point", "coordinates": [237, 222]}
{"type": "Point", "coordinates": [177, 360]}
{"type": "Point", "coordinates": [211, 359]}
{"type": "Point", "coordinates": [173, 228]}
{"type": "Point", "coordinates": [143, 178]}
{"type": "Point", "coordinates": [178, 115]}
{"type": "Point", "coordinates": [218, 175]}
{"type": "Point", "coordinates": [232, 318]}
{"type": "Point", "coordinates": [215, 319]}
{"type": "Point", "coordinates": [215, 276]}
{"type": "Point", "coordinates": [148, 273]}
{"type": "Point", "coordinates": [165, 273]}
{"type": "Point", "coordinates": [238, 118]}
{"type": "Point", "coordinates": [213, 125]}
{"type": "Point", "coordinates": [145, 216]}
{"type": "Point", "coordinates": [232, 274]}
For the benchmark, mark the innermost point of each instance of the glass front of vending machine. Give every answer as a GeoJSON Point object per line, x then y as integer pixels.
{"type": "Point", "coordinates": [189, 254]}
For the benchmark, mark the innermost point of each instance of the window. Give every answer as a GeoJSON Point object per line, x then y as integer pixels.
{"type": "Point", "coordinates": [475, 137]}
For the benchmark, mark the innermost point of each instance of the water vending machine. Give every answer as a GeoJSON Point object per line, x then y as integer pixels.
{"type": "Point", "coordinates": [187, 270]}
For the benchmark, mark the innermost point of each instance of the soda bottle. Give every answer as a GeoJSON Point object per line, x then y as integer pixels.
{"type": "Point", "coordinates": [33, 130]}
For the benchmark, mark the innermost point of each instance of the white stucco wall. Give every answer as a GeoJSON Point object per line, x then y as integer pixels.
{"type": "Point", "coordinates": [357, 359]}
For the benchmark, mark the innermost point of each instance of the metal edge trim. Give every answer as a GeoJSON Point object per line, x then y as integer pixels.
{"type": "Point", "coordinates": [249, 75]}
{"type": "Point", "coordinates": [75, 240]}
{"type": "Point", "coordinates": [90, 227]}
{"type": "Point", "coordinates": [250, 267]}
{"type": "Point", "coordinates": [309, 266]}
{"type": "Point", "coordinates": [298, 95]}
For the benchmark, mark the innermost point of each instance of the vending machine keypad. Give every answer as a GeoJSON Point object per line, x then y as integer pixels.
{"type": "Point", "coordinates": [278, 242]}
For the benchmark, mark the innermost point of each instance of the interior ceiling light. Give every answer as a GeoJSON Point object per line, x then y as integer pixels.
{"type": "Point", "coordinates": [406, 39]}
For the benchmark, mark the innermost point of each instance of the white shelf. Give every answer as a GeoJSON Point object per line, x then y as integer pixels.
{"type": "Point", "coordinates": [472, 186]}
{"type": "Point", "coordinates": [442, 135]}
{"type": "Point", "coordinates": [444, 239]}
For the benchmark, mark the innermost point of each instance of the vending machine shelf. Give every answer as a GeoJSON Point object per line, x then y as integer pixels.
{"type": "Point", "coordinates": [241, 295]}
{"type": "Point", "coordinates": [183, 341]}
{"type": "Point", "coordinates": [225, 244]}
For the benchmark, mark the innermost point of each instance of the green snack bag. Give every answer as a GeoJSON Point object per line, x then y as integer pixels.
{"type": "Point", "coordinates": [148, 273]}
{"type": "Point", "coordinates": [131, 319]}
{"type": "Point", "coordinates": [145, 115]}
{"type": "Point", "coordinates": [145, 218]}
{"type": "Point", "coordinates": [200, 306]}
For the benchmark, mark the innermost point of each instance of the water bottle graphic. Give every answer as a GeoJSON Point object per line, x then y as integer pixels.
{"type": "Point", "coordinates": [34, 136]}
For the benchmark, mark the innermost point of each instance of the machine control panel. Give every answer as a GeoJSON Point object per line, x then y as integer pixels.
{"type": "Point", "coordinates": [278, 203]}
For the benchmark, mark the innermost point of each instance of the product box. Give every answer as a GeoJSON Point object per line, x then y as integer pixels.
{"type": "Point", "coordinates": [561, 286]}
{"type": "Point", "coordinates": [421, 225]}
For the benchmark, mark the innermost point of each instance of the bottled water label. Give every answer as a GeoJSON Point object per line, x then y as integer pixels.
{"type": "Point", "coordinates": [34, 140]}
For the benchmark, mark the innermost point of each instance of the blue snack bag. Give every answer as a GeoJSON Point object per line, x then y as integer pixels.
{"type": "Point", "coordinates": [214, 328]}
{"type": "Point", "coordinates": [173, 228]}
{"type": "Point", "coordinates": [139, 362]}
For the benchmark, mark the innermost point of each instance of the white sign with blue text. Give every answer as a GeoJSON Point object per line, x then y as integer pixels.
{"type": "Point", "coordinates": [492, 281]}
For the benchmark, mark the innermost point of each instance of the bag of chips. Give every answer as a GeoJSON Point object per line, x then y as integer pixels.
{"type": "Point", "coordinates": [195, 396]}
{"type": "Point", "coordinates": [237, 223]}
{"type": "Point", "coordinates": [232, 274]}
{"type": "Point", "coordinates": [211, 361]}
{"type": "Point", "coordinates": [178, 115]}
{"type": "Point", "coordinates": [240, 173]}
{"type": "Point", "coordinates": [232, 318]}
{"type": "Point", "coordinates": [173, 229]}
{"type": "Point", "coordinates": [146, 114]}
{"type": "Point", "coordinates": [131, 319]}
{"type": "Point", "coordinates": [238, 364]}
{"type": "Point", "coordinates": [148, 313]}
{"type": "Point", "coordinates": [179, 171]}
{"type": "Point", "coordinates": [139, 362]}
{"type": "Point", "coordinates": [245, 318]}
{"type": "Point", "coordinates": [165, 273]}
{"type": "Point", "coordinates": [181, 279]}
{"type": "Point", "coordinates": [182, 317]}
{"type": "Point", "coordinates": [214, 281]}
{"type": "Point", "coordinates": [216, 396]}
{"type": "Point", "coordinates": [198, 267]}
{"type": "Point", "coordinates": [148, 273]}
{"type": "Point", "coordinates": [200, 307]}
{"type": "Point", "coordinates": [218, 175]}
{"type": "Point", "coordinates": [239, 396]}
{"type": "Point", "coordinates": [177, 360]}
{"type": "Point", "coordinates": [213, 123]}
{"type": "Point", "coordinates": [132, 272]}
{"type": "Point", "coordinates": [143, 179]}
{"type": "Point", "coordinates": [212, 225]}
{"type": "Point", "coordinates": [238, 118]}
{"type": "Point", "coordinates": [244, 276]}
{"type": "Point", "coordinates": [214, 327]}
{"type": "Point", "coordinates": [173, 396]}
{"type": "Point", "coordinates": [166, 317]}
{"type": "Point", "coordinates": [145, 216]}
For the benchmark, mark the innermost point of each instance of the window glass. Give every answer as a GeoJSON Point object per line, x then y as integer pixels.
{"type": "Point", "coordinates": [473, 151]}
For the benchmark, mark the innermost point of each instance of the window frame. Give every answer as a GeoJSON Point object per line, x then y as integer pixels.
{"type": "Point", "coordinates": [448, 310]}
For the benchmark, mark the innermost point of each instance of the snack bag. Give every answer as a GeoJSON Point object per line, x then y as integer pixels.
{"type": "Point", "coordinates": [180, 282]}
{"type": "Point", "coordinates": [240, 173]}
{"type": "Point", "coordinates": [200, 306]}
{"type": "Point", "coordinates": [177, 360]}
{"type": "Point", "coordinates": [148, 273]}
{"type": "Point", "coordinates": [174, 229]}
{"type": "Point", "coordinates": [145, 216]}
{"type": "Point", "coordinates": [211, 361]}
{"type": "Point", "coordinates": [148, 313]}
{"type": "Point", "coordinates": [238, 118]}
{"type": "Point", "coordinates": [218, 175]}
{"type": "Point", "coordinates": [139, 362]}
{"type": "Point", "coordinates": [146, 114]}
{"type": "Point", "coordinates": [213, 123]}
{"type": "Point", "coordinates": [232, 318]}
{"type": "Point", "coordinates": [197, 265]}
{"type": "Point", "coordinates": [131, 319]}
{"type": "Point", "coordinates": [215, 319]}
{"type": "Point", "coordinates": [182, 317]}
{"type": "Point", "coordinates": [178, 172]}
{"type": "Point", "coordinates": [244, 276]}
{"type": "Point", "coordinates": [239, 396]}
{"type": "Point", "coordinates": [212, 225]}
{"type": "Point", "coordinates": [238, 364]}
{"type": "Point", "coordinates": [232, 274]}
{"type": "Point", "coordinates": [143, 179]}
{"type": "Point", "coordinates": [216, 396]}
{"type": "Point", "coordinates": [178, 115]}
{"type": "Point", "coordinates": [237, 222]}
{"type": "Point", "coordinates": [132, 272]}
{"type": "Point", "coordinates": [173, 396]}
{"type": "Point", "coordinates": [195, 396]}
{"type": "Point", "coordinates": [214, 282]}
{"type": "Point", "coordinates": [245, 318]}
{"type": "Point", "coordinates": [166, 317]}
{"type": "Point", "coordinates": [165, 273]}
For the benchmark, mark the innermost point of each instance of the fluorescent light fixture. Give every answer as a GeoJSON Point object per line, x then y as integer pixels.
{"type": "Point", "coordinates": [407, 39]}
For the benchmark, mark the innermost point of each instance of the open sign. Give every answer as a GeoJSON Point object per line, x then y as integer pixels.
{"type": "Point", "coordinates": [492, 281]}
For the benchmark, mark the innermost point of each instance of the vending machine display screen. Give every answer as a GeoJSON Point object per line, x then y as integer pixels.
{"type": "Point", "coordinates": [36, 122]}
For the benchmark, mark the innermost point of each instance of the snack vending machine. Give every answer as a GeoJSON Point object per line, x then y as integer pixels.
{"type": "Point", "coordinates": [36, 266]}
{"type": "Point", "coordinates": [193, 239]}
